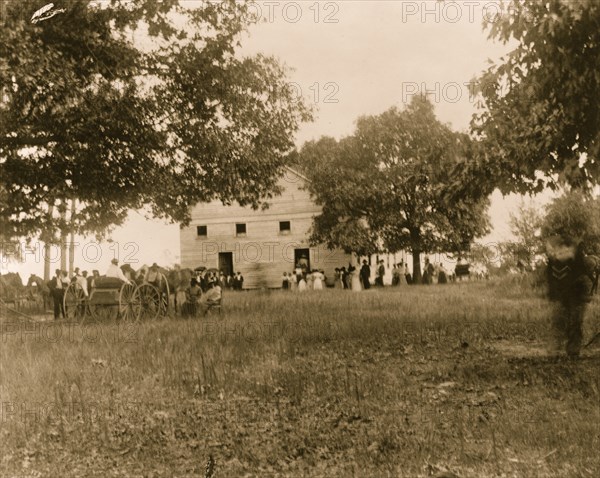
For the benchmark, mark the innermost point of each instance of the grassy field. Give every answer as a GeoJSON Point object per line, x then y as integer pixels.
{"type": "Point", "coordinates": [411, 382]}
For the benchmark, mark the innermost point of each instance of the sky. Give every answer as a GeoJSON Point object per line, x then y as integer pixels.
{"type": "Point", "coordinates": [347, 58]}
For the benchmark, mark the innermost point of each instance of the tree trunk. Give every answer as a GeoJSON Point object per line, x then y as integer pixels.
{"type": "Point", "coordinates": [63, 238]}
{"type": "Point", "coordinates": [415, 239]}
{"type": "Point", "coordinates": [48, 243]}
{"type": "Point", "coordinates": [72, 238]}
{"type": "Point", "coordinates": [47, 252]}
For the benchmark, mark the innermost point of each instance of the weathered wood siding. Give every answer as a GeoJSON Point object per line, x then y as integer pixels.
{"type": "Point", "coordinates": [263, 254]}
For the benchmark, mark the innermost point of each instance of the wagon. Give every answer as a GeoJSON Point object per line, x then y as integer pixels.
{"type": "Point", "coordinates": [111, 298]}
{"type": "Point", "coordinates": [462, 271]}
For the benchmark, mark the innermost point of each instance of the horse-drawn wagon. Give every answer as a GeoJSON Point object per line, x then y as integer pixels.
{"type": "Point", "coordinates": [112, 298]}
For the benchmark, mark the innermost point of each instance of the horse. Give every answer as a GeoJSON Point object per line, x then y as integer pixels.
{"type": "Point", "coordinates": [12, 289]}
{"type": "Point", "coordinates": [175, 281]}
{"type": "Point", "coordinates": [37, 287]}
{"type": "Point", "coordinates": [178, 280]}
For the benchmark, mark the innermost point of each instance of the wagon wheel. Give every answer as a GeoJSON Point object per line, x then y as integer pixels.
{"type": "Point", "coordinates": [165, 295]}
{"type": "Point", "coordinates": [74, 302]}
{"type": "Point", "coordinates": [130, 305]}
{"type": "Point", "coordinates": [150, 301]}
{"type": "Point", "coordinates": [104, 312]}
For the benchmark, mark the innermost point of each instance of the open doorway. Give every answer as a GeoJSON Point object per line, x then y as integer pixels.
{"type": "Point", "coordinates": [302, 258]}
{"type": "Point", "coordinates": [226, 263]}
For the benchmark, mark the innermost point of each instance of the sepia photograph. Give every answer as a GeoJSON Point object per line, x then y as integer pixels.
{"type": "Point", "coordinates": [310, 238]}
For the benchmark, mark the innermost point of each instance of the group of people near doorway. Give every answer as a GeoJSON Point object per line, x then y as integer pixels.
{"type": "Point", "coordinates": [302, 280]}
{"type": "Point", "coordinates": [356, 279]}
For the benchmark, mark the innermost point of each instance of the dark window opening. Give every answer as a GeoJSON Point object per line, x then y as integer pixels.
{"type": "Point", "coordinates": [240, 229]}
{"type": "Point", "coordinates": [285, 227]}
{"type": "Point", "coordinates": [201, 231]}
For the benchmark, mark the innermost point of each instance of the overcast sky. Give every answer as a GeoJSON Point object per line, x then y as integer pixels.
{"type": "Point", "coordinates": [349, 58]}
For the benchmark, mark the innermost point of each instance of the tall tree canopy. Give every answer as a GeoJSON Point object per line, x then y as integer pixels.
{"type": "Point", "coordinates": [540, 108]}
{"type": "Point", "coordinates": [390, 186]}
{"type": "Point", "coordinates": [124, 104]}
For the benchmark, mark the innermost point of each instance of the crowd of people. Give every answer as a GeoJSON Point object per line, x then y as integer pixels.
{"type": "Point", "coordinates": [356, 279]}
{"type": "Point", "coordinates": [205, 290]}
{"type": "Point", "coordinates": [302, 279]}
{"type": "Point", "coordinates": [207, 277]}
{"type": "Point", "coordinates": [206, 285]}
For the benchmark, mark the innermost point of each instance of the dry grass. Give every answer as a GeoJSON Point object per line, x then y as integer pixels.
{"type": "Point", "coordinates": [403, 382]}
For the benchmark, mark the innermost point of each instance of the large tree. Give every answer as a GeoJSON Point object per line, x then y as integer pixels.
{"type": "Point", "coordinates": [539, 115]}
{"type": "Point", "coordinates": [143, 104]}
{"type": "Point", "coordinates": [390, 186]}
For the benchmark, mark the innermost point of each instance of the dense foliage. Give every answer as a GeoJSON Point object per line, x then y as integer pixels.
{"type": "Point", "coordinates": [391, 186]}
{"type": "Point", "coordinates": [540, 106]}
{"type": "Point", "coordinates": [576, 217]}
{"type": "Point", "coordinates": [144, 104]}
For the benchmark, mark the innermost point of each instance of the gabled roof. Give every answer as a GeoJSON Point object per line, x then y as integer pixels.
{"type": "Point", "coordinates": [297, 173]}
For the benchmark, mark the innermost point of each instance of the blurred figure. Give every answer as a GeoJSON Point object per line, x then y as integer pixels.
{"type": "Point", "coordinates": [192, 295]}
{"type": "Point", "coordinates": [210, 298]}
{"type": "Point", "coordinates": [569, 278]}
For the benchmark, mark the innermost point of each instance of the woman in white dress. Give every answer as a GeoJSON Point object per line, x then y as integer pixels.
{"type": "Point", "coordinates": [354, 279]}
{"type": "Point", "coordinates": [402, 274]}
{"type": "Point", "coordinates": [302, 285]}
{"type": "Point", "coordinates": [310, 280]}
{"type": "Point", "coordinates": [318, 278]}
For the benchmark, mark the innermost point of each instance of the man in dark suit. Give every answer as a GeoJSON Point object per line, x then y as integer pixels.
{"type": "Point", "coordinates": [344, 275]}
{"type": "Point", "coordinates": [365, 275]}
{"type": "Point", "coordinates": [238, 281]}
{"type": "Point", "coordinates": [57, 291]}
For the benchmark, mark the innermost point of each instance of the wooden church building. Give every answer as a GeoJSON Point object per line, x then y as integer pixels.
{"type": "Point", "coordinates": [261, 244]}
